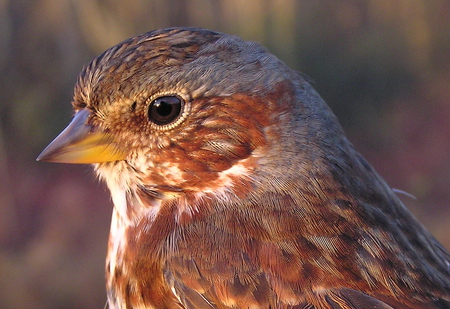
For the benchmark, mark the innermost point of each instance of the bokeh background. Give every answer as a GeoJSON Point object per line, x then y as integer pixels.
{"type": "Point", "coordinates": [383, 66]}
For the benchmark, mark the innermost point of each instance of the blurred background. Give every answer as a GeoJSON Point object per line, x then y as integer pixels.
{"type": "Point", "coordinates": [383, 67]}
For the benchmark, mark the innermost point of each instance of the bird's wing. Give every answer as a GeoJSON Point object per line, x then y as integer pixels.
{"type": "Point", "coordinates": [350, 299]}
{"type": "Point", "coordinates": [210, 283]}
{"type": "Point", "coordinates": [192, 295]}
{"type": "Point", "coordinates": [187, 285]}
{"type": "Point", "coordinates": [196, 289]}
{"type": "Point", "coordinates": [261, 263]}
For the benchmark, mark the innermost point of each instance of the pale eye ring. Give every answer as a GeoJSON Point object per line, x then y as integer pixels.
{"type": "Point", "coordinates": [166, 111]}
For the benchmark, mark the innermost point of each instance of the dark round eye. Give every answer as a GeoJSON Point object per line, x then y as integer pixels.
{"type": "Point", "coordinates": [164, 110]}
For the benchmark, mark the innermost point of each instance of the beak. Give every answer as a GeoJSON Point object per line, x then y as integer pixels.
{"type": "Point", "coordinates": [82, 143]}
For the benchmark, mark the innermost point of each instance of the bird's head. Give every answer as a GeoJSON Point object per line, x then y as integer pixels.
{"type": "Point", "coordinates": [186, 110]}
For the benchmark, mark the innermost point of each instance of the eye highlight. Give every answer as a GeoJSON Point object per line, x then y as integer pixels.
{"type": "Point", "coordinates": [165, 110]}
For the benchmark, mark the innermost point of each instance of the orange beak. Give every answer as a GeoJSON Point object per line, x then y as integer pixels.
{"type": "Point", "coordinates": [82, 143]}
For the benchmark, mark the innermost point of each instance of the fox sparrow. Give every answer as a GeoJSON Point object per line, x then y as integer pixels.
{"type": "Point", "coordinates": [234, 186]}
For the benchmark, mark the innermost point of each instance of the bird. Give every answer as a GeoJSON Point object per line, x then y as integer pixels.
{"type": "Point", "coordinates": [234, 185]}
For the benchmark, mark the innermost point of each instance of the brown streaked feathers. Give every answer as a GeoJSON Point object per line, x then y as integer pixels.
{"type": "Point", "coordinates": [235, 186]}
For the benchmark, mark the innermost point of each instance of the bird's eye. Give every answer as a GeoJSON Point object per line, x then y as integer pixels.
{"type": "Point", "coordinates": [164, 110]}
